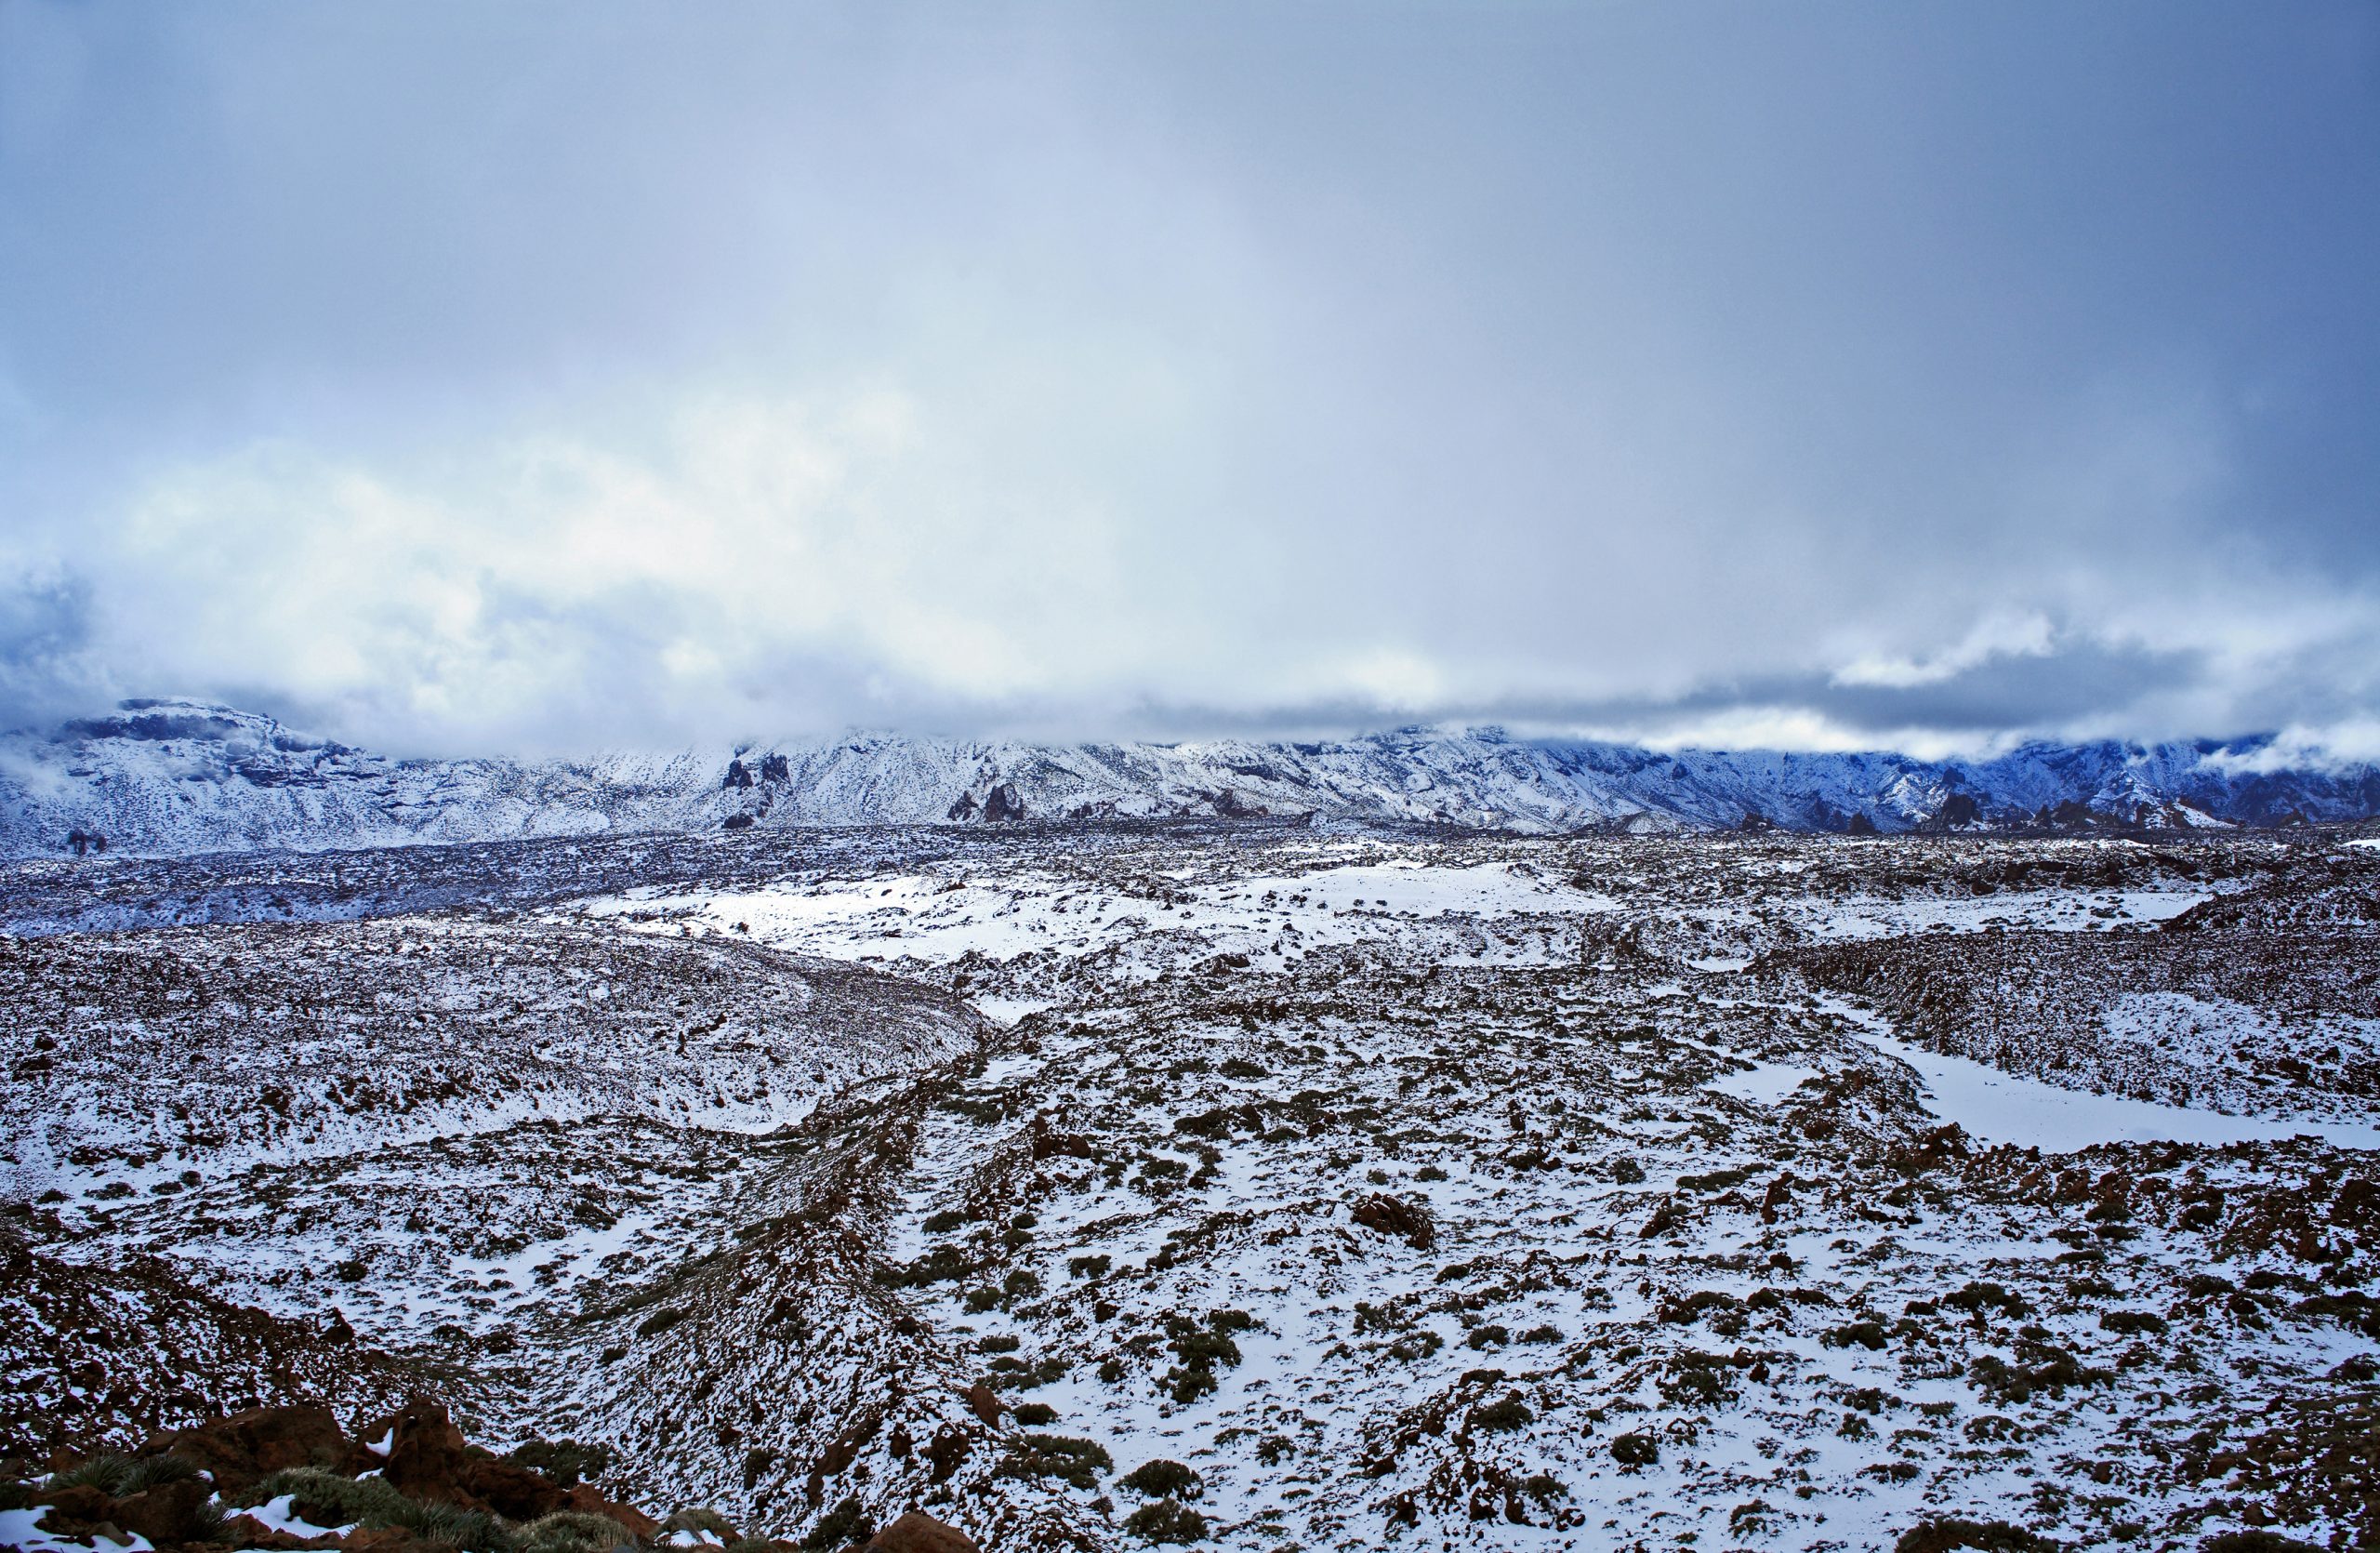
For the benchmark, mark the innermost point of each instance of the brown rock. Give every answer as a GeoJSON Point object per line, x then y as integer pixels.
{"type": "Point", "coordinates": [428, 1459]}
{"type": "Point", "coordinates": [984, 1404]}
{"type": "Point", "coordinates": [167, 1513]}
{"type": "Point", "coordinates": [1392, 1215]}
{"type": "Point", "coordinates": [919, 1532]}
{"type": "Point", "coordinates": [247, 1446]}
{"type": "Point", "coordinates": [79, 1503]}
{"type": "Point", "coordinates": [585, 1498]}
{"type": "Point", "coordinates": [246, 1531]}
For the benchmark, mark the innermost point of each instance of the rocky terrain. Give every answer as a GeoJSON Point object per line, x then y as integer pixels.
{"type": "Point", "coordinates": [1231, 1184]}
{"type": "Point", "coordinates": [166, 777]}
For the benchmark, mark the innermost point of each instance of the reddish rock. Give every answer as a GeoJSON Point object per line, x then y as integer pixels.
{"type": "Point", "coordinates": [165, 1514]}
{"type": "Point", "coordinates": [984, 1403]}
{"type": "Point", "coordinates": [1392, 1217]}
{"type": "Point", "coordinates": [78, 1503]}
{"type": "Point", "coordinates": [919, 1532]}
{"type": "Point", "coordinates": [246, 1531]}
{"type": "Point", "coordinates": [247, 1446]}
{"type": "Point", "coordinates": [583, 1498]}
{"type": "Point", "coordinates": [428, 1459]}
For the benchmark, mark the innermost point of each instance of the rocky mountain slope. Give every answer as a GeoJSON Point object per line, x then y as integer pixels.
{"type": "Point", "coordinates": [168, 778]}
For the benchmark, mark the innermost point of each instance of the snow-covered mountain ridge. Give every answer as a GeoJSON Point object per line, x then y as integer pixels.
{"type": "Point", "coordinates": [175, 777]}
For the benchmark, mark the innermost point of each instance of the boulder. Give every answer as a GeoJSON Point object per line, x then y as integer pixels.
{"type": "Point", "coordinates": [76, 1504]}
{"type": "Point", "coordinates": [919, 1533]}
{"type": "Point", "coordinates": [584, 1499]}
{"type": "Point", "coordinates": [985, 1404]}
{"type": "Point", "coordinates": [248, 1531]}
{"type": "Point", "coordinates": [1392, 1216]}
{"type": "Point", "coordinates": [247, 1446]}
{"type": "Point", "coordinates": [165, 1514]}
{"type": "Point", "coordinates": [428, 1459]}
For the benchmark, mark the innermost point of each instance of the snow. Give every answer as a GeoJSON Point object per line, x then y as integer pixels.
{"type": "Point", "coordinates": [181, 777]}
{"type": "Point", "coordinates": [279, 1514]}
{"type": "Point", "coordinates": [1996, 1106]}
{"type": "Point", "coordinates": [1766, 1085]}
{"type": "Point", "coordinates": [18, 1531]}
{"type": "Point", "coordinates": [1276, 916]}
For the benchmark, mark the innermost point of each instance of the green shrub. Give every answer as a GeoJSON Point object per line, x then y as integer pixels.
{"type": "Point", "coordinates": [1976, 1298]}
{"type": "Point", "coordinates": [1637, 1449]}
{"type": "Point", "coordinates": [1078, 1462]}
{"type": "Point", "coordinates": [327, 1499]}
{"type": "Point", "coordinates": [1188, 1385]}
{"type": "Point", "coordinates": [1032, 1413]}
{"type": "Point", "coordinates": [841, 1526]}
{"type": "Point", "coordinates": [121, 1476]}
{"type": "Point", "coordinates": [1503, 1416]}
{"type": "Point", "coordinates": [1164, 1479]}
{"type": "Point", "coordinates": [1166, 1522]}
{"type": "Point", "coordinates": [574, 1532]}
{"type": "Point", "coordinates": [565, 1462]}
{"type": "Point", "coordinates": [1949, 1534]}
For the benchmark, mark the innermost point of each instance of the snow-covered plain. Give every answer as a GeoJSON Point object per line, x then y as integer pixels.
{"type": "Point", "coordinates": [1459, 1192]}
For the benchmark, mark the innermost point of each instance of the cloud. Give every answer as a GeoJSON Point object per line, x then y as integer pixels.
{"type": "Point", "coordinates": [1866, 376]}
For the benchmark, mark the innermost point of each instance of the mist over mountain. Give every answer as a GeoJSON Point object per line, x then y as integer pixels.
{"type": "Point", "coordinates": [180, 776]}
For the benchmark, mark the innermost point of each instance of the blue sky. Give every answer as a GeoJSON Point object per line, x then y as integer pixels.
{"type": "Point", "coordinates": [514, 378]}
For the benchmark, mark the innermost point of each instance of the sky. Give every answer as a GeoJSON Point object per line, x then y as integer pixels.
{"type": "Point", "coordinates": [542, 378]}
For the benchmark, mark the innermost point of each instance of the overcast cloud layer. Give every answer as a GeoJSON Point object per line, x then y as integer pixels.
{"type": "Point", "coordinates": [520, 378]}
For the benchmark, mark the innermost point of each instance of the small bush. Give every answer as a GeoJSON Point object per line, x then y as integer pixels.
{"type": "Point", "coordinates": [1487, 1336]}
{"type": "Point", "coordinates": [1637, 1449]}
{"type": "Point", "coordinates": [659, 1322]}
{"type": "Point", "coordinates": [574, 1532]}
{"type": "Point", "coordinates": [1164, 1479]}
{"type": "Point", "coordinates": [1974, 1298]}
{"type": "Point", "coordinates": [1503, 1417]}
{"type": "Point", "coordinates": [2131, 1323]}
{"type": "Point", "coordinates": [1542, 1334]}
{"type": "Point", "coordinates": [1187, 1386]}
{"type": "Point", "coordinates": [327, 1499]}
{"type": "Point", "coordinates": [1089, 1266]}
{"type": "Point", "coordinates": [1033, 1413]}
{"type": "Point", "coordinates": [121, 1476]}
{"type": "Point", "coordinates": [1078, 1462]}
{"type": "Point", "coordinates": [2254, 1541]}
{"type": "Point", "coordinates": [1949, 1534]}
{"type": "Point", "coordinates": [1166, 1522]}
{"type": "Point", "coordinates": [565, 1462]}
{"type": "Point", "coordinates": [841, 1526]}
